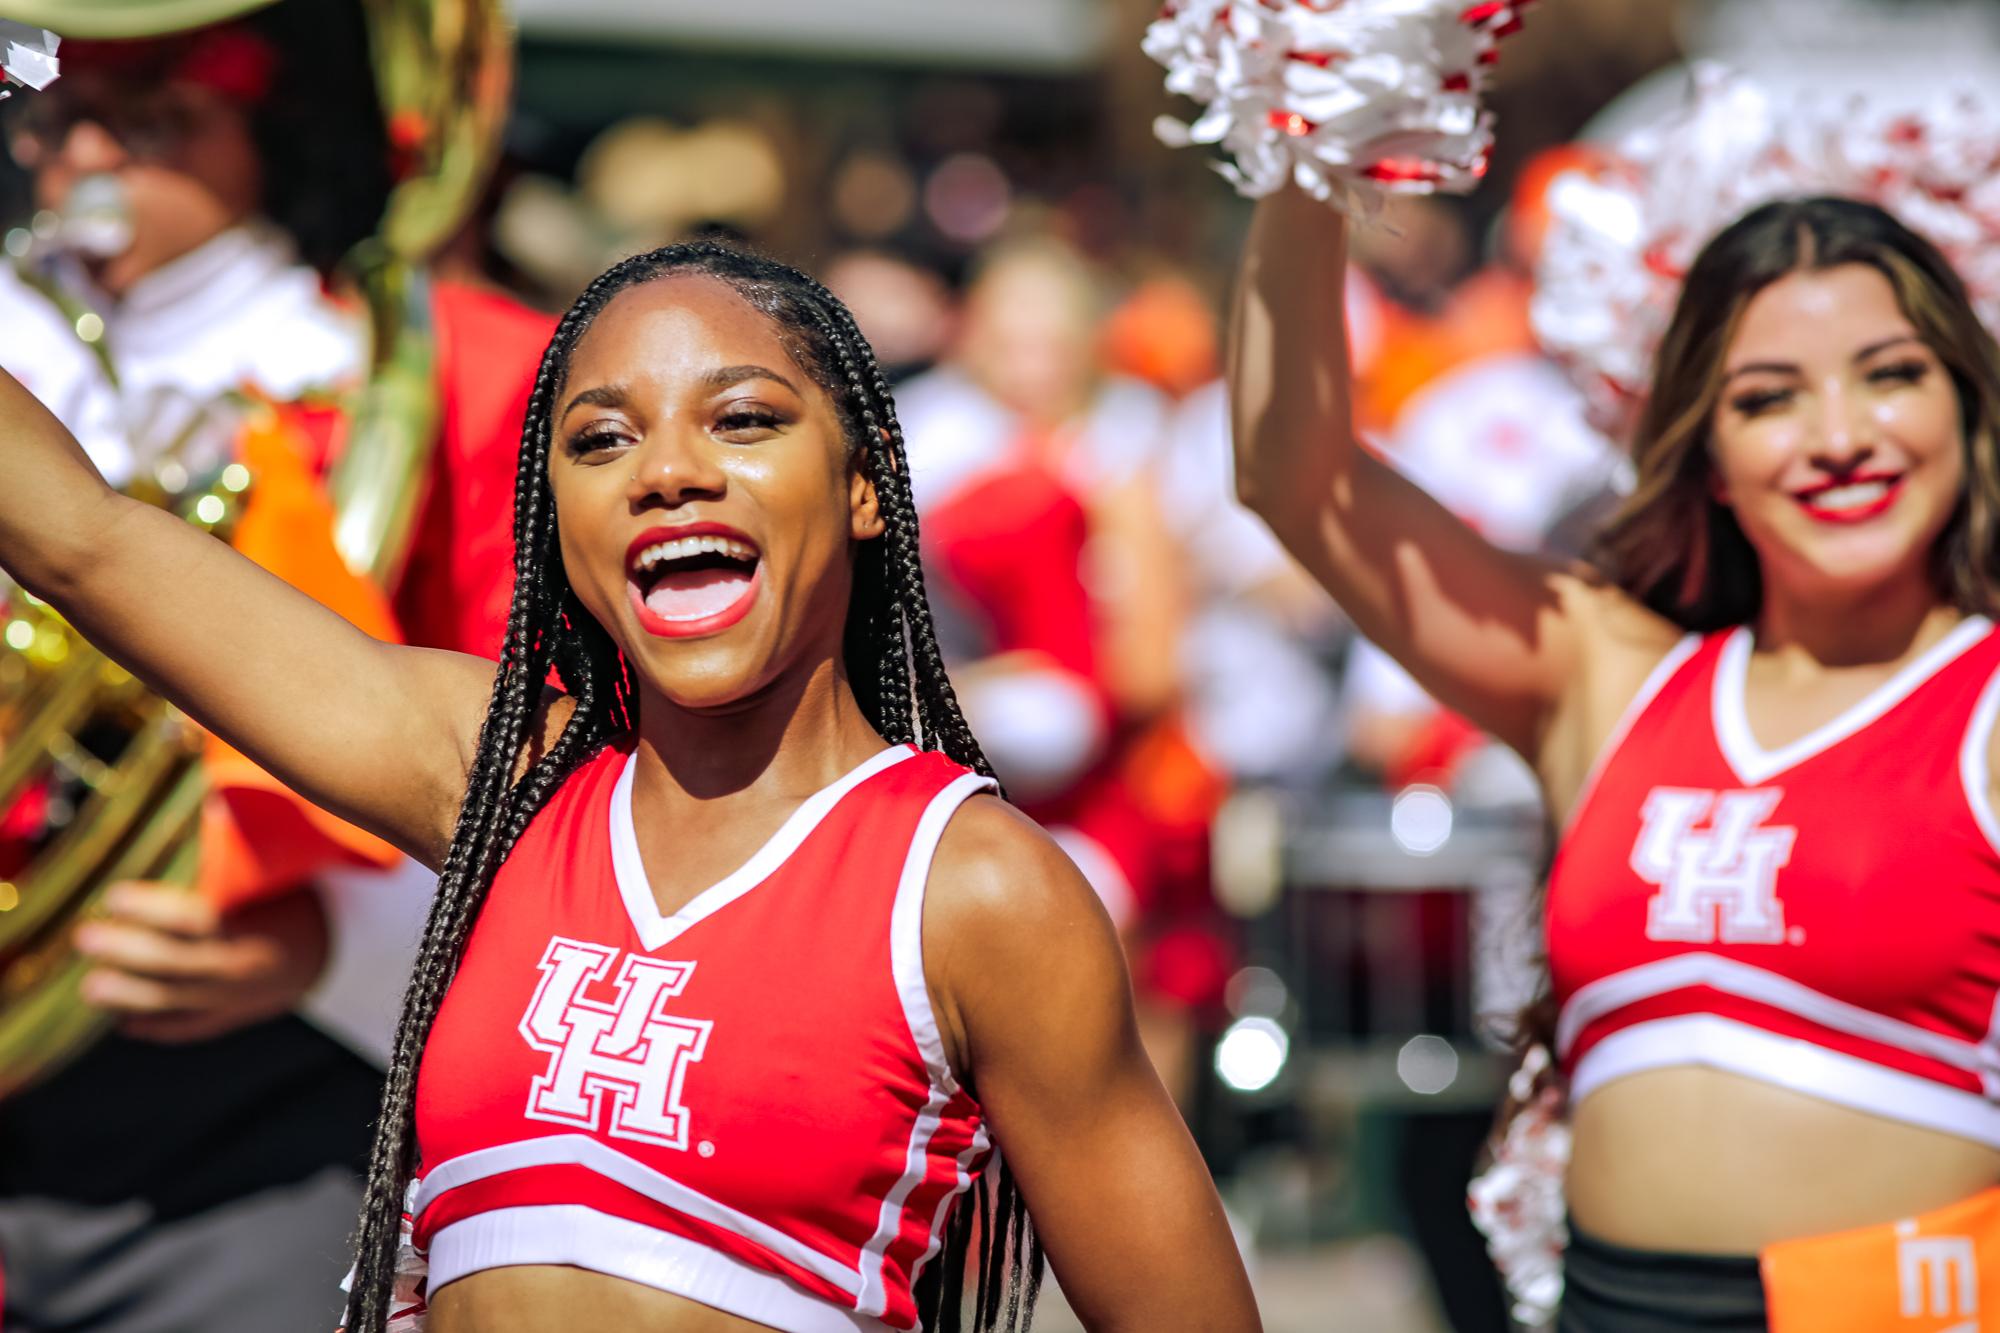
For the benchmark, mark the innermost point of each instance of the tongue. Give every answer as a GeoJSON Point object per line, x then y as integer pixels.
{"type": "Point", "coordinates": [697, 594]}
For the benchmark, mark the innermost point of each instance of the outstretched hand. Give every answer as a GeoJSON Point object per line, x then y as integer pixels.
{"type": "Point", "coordinates": [171, 967]}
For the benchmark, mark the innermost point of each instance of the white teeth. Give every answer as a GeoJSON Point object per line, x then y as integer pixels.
{"type": "Point", "coordinates": [1851, 496]}
{"type": "Point", "coordinates": [686, 548]}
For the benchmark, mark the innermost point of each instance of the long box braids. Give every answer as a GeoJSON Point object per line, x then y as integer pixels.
{"type": "Point", "coordinates": [892, 658]}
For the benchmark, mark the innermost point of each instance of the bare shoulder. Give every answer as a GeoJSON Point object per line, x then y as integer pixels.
{"type": "Point", "coordinates": [1619, 641]}
{"type": "Point", "coordinates": [1014, 939]}
{"type": "Point", "coordinates": [1000, 877]}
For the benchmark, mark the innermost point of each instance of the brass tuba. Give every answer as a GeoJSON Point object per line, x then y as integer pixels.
{"type": "Point", "coordinates": [100, 779]}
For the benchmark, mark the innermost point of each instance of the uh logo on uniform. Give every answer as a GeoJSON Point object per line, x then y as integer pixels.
{"type": "Point", "coordinates": [1718, 880]}
{"type": "Point", "coordinates": [628, 1050]}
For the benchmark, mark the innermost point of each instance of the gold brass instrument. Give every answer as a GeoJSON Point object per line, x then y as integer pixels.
{"type": "Point", "coordinates": [113, 769]}
{"type": "Point", "coordinates": [100, 779]}
{"type": "Point", "coordinates": [444, 69]}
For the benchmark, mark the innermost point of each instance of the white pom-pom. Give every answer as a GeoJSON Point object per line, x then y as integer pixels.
{"type": "Point", "coordinates": [1350, 98]}
{"type": "Point", "coordinates": [27, 56]}
{"type": "Point", "coordinates": [408, 1306]}
{"type": "Point", "coordinates": [1517, 1201]}
{"type": "Point", "coordinates": [1621, 239]}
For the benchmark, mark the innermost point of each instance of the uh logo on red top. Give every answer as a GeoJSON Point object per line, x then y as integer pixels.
{"type": "Point", "coordinates": [1718, 881]}
{"type": "Point", "coordinates": [629, 1049]}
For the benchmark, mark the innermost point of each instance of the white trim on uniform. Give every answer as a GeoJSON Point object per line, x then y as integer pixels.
{"type": "Point", "coordinates": [654, 928]}
{"type": "Point", "coordinates": [1656, 680]}
{"type": "Point", "coordinates": [1973, 766]}
{"type": "Point", "coordinates": [1989, 1054]}
{"type": "Point", "coordinates": [974, 1150]}
{"type": "Point", "coordinates": [906, 923]}
{"type": "Point", "coordinates": [874, 1296]}
{"type": "Point", "coordinates": [1975, 774]}
{"type": "Point", "coordinates": [1753, 764]}
{"type": "Point", "coordinates": [906, 960]}
{"type": "Point", "coordinates": [1786, 1062]}
{"type": "Point", "coordinates": [579, 1237]}
{"type": "Point", "coordinates": [1609, 994]}
{"type": "Point", "coordinates": [604, 1160]}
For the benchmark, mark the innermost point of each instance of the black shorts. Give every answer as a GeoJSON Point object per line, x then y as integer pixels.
{"type": "Point", "coordinates": [1611, 1289]}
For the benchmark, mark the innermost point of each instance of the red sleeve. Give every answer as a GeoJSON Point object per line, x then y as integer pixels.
{"type": "Point", "coordinates": [460, 576]}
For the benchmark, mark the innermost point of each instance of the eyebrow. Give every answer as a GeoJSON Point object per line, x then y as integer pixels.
{"type": "Point", "coordinates": [723, 377]}
{"type": "Point", "coordinates": [1790, 368]}
{"type": "Point", "coordinates": [728, 376]}
{"type": "Point", "coordinates": [603, 395]}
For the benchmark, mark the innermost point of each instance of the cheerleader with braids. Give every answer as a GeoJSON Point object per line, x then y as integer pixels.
{"type": "Point", "coordinates": [739, 978]}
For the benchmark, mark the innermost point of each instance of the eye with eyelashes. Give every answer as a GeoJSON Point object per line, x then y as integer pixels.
{"type": "Point", "coordinates": [1756, 402]}
{"type": "Point", "coordinates": [747, 418]}
{"type": "Point", "coordinates": [1894, 374]}
{"type": "Point", "coordinates": [1907, 371]}
{"type": "Point", "coordinates": [596, 437]}
{"type": "Point", "coordinates": [737, 420]}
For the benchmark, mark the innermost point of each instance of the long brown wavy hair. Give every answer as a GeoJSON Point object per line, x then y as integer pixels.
{"type": "Point", "coordinates": [1679, 550]}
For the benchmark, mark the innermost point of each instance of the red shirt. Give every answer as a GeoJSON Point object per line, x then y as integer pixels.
{"type": "Point", "coordinates": [746, 1103]}
{"type": "Point", "coordinates": [1825, 917]}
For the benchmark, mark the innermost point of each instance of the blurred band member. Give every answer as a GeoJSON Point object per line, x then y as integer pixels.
{"type": "Point", "coordinates": [199, 1169]}
{"type": "Point", "coordinates": [1038, 475]}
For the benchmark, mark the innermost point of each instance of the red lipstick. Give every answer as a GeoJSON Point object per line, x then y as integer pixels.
{"type": "Point", "coordinates": [1892, 486]}
{"type": "Point", "coordinates": [653, 605]}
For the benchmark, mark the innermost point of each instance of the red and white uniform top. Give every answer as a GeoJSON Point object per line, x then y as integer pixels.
{"type": "Point", "coordinates": [747, 1102]}
{"type": "Point", "coordinates": [1824, 916]}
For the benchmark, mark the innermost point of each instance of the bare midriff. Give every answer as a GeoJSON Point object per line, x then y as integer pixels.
{"type": "Point", "coordinates": [534, 1298]}
{"type": "Point", "coordinates": [1698, 1161]}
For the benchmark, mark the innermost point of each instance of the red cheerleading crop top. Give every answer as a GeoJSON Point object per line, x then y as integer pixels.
{"type": "Point", "coordinates": [747, 1102]}
{"type": "Point", "coordinates": [1824, 917]}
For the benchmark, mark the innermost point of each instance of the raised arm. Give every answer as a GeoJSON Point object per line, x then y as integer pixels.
{"type": "Point", "coordinates": [1034, 1002]}
{"type": "Point", "coordinates": [377, 733]}
{"type": "Point", "coordinates": [1491, 633]}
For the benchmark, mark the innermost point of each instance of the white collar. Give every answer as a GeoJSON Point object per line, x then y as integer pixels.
{"type": "Point", "coordinates": [190, 294]}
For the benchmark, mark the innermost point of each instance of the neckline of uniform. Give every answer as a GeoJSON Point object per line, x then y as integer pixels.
{"type": "Point", "coordinates": [1753, 764]}
{"type": "Point", "coordinates": [656, 928]}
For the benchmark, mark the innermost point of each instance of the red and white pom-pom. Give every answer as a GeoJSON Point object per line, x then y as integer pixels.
{"type": "Point", "coordinates": [1621, 239]}
{"type": "Point", "coordinates": [1350, 98]}
{"type": "Point", "coordinates": [1517, 1201]}
{"type": "Point", "coordinates": [407, 1300]}
{"type": "Point", "coordinates": [27, 56]}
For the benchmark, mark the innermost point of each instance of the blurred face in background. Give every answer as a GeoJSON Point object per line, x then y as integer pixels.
{"type": "Point", "coordinates": [1030, 337]}
{"type": "Point", "coordinates": [904, 311]}
{"type": "Point", "coordinates": [180, 152]}
{"type": "Point", "coordinates": [1420, 252]}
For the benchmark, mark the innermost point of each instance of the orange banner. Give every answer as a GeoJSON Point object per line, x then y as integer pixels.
{"type": "Point", "coordinates": [1937, 1273]}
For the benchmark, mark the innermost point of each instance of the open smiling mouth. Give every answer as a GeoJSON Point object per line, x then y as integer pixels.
{"type": "Point", "coordinates": [684, 582]}
{"type": "Point", "coordinates": [1852, 500]}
